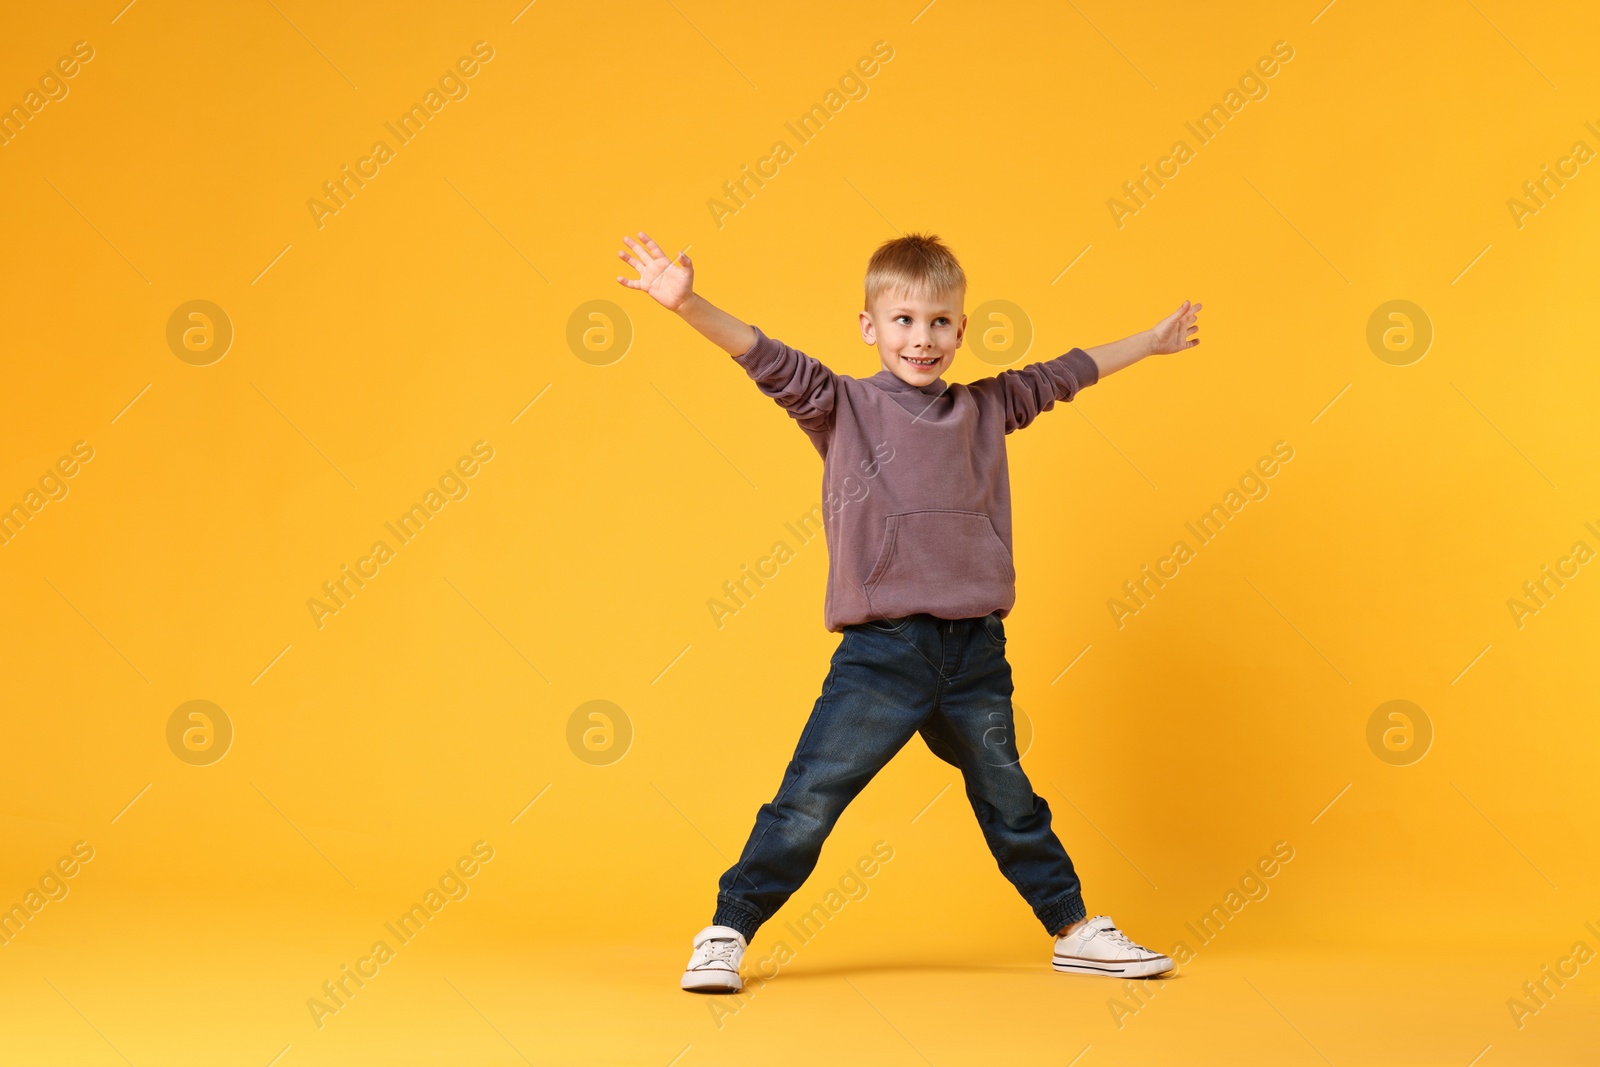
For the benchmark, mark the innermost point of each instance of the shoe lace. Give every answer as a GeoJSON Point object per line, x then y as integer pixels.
{"type": "Point", "coordinates": [1121, 939]}
{"type": "Point", "coordinates": [719, 948]}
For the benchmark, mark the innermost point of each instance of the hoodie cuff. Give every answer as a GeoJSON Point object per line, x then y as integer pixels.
{"type": "Point", "coordinates": [1083, 367]}
{"type": "Point", "coordinates": [753, 358]}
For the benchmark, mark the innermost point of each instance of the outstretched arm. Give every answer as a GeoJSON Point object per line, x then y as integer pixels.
{"type": "Point", "coordinates": [671, 283]}
{"type": "Point", "coordinates": [1172, 334]}
{"type": "Point", "coordinates": [802, 386]}
{"type": "Point", "coordinates": [1021, 394]}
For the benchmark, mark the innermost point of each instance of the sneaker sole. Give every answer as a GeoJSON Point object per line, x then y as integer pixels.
{"type": "Point", "coordinates": [1112, 968]}
{"type": "Point", "coordinates": [711, 981]}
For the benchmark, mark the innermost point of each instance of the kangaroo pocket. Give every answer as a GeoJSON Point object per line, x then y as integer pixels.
{"type": "Point", "coordinates": [947, 563]}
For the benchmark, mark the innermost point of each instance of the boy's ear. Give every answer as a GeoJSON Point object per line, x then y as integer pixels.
{"type": "Point", "coordinates": [961, 330]}
{"type": "Point", "coordinates": [869, 330]}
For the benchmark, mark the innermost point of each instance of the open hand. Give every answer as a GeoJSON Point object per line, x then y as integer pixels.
{"type": "Point", "coordinates": [1176, 332]}
{"type": "Point", "coordinates": [670, 282]}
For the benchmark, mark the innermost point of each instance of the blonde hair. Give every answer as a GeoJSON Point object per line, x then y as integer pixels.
{"type": "Point", "coordinates": [917, 264]}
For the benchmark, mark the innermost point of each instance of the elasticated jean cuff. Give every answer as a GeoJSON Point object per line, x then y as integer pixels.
{"type": "Point", "coordinates": [1062, 912]}
{"type": "Point", "coordinates": [743, 919]}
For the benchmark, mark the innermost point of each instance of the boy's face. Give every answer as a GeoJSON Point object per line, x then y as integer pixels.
{"type": "Point", "coordinates": [917, 337]}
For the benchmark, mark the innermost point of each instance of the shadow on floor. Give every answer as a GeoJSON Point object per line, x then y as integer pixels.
{"type": "Point", "coordinates": [801, 973]}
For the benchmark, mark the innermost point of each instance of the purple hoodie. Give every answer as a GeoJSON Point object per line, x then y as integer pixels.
{"type": "Point", "coordinates": [916, 496]}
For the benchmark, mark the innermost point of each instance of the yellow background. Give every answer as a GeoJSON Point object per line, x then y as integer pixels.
{"type": "Point", "coordinates": [425, 716]}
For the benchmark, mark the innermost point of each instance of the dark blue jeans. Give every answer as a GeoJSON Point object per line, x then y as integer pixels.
{"type": "Point", "coordinates": [947, 679]}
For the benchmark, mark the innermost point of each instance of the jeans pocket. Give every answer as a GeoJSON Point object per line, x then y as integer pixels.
{"type": "Point", "coordinates": [995, 629]}
{"type": "Point", "coordinates": [888, 626]}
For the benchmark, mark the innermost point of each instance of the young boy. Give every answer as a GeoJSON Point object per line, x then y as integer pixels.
{"type": "Point", "coordinates": [917, 514]}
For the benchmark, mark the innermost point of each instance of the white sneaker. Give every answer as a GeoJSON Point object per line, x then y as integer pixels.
{"type": "Point", "coordinates": [1098, 947]}
{"type": "Point", "coordinates": [714, 967]}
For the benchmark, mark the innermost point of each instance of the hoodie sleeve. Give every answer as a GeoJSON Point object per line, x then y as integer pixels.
{"type": "Point", "coordinates": [1021, 394]}
{"type": "Point", "coordinates": [802, 386]}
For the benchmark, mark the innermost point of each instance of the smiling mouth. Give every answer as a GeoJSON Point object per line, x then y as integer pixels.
{"type": "Point", "coordinates": [915, 362]}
